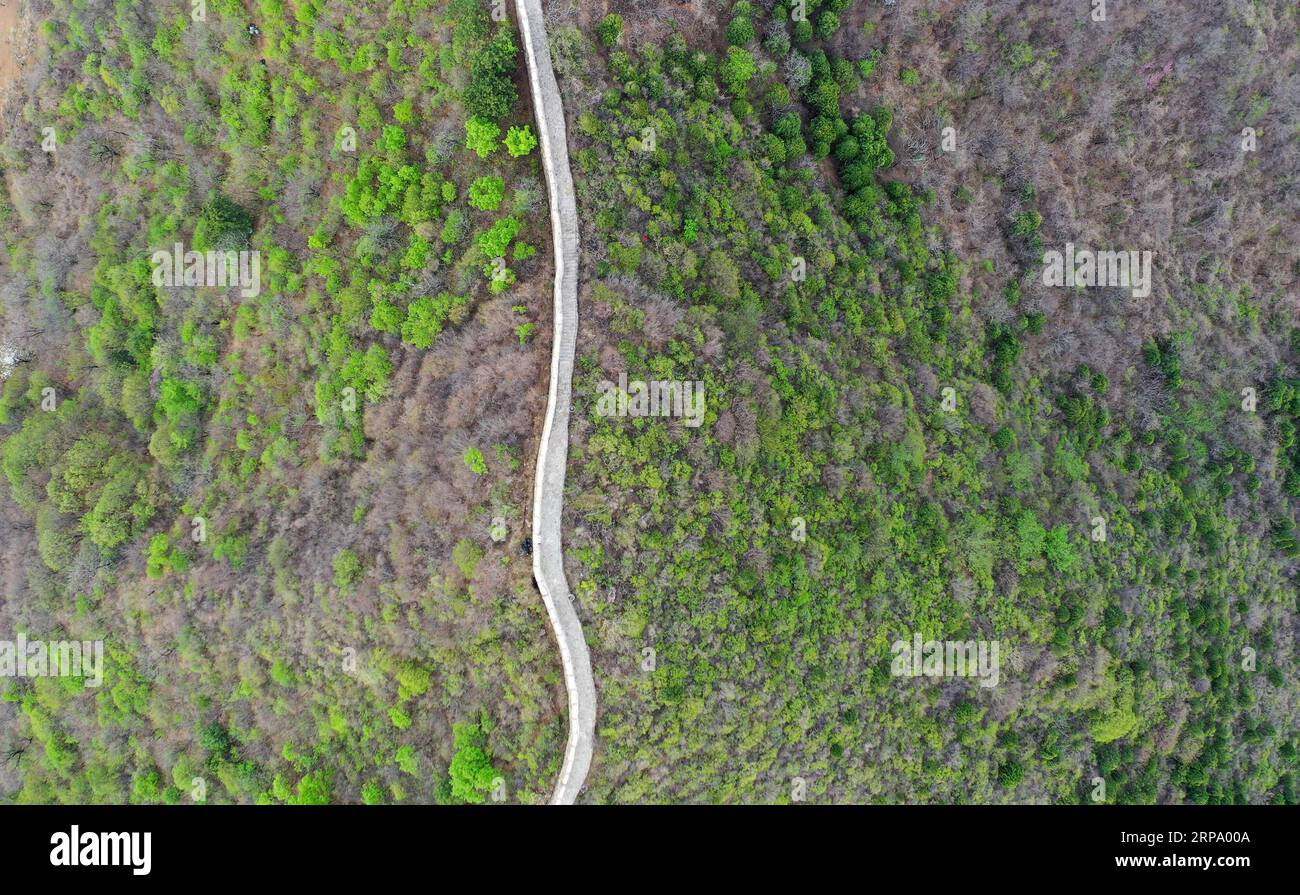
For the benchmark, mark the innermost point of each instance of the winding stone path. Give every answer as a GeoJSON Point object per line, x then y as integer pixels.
{"type": "Point", "coordinates": [552, 454]}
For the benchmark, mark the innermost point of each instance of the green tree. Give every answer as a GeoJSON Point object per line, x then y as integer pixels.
{"type": "Point", "coordinates": [827, 24]}
{"type": "Point", "coordinates": [1058, 549]}
{"type": "Point", "coordinates": [738, 70]}
{"type": "Point", "coordinates": [487, 193]}
{"type": "Point", "coordinates": [471, 770]}
{"type": "Point", "coordinates": [491, 91]}
{"type": "Point", "coordinates": [315, 788]}
{"type": "Point", "coordinates": [474, 460]}
{"type": "Point", "coordinates": [722, 275]}
{"type": "Point", "coordinates": [610, 29]}
{"type": "Point", "coordinates": [407, 760]}
{"type": "Point", "coordinates": [467, 555]}
{"type": "Point", "coordinates": [121, 509]}
{"type": "Point", "coordinates": [740, 33]}
{"type": "Point", "coordinates": [481, 135]}
{"type": "Point", "coordinates": [347, 569]}
{"type": "Point", "coordinates": [520, 141]}
{"type": "Point", "coordinates": [1030, 537]}
{"type": "Point", "coordinates": [387, 317]}
{"type": "Point", "coordinates": [494, 241]}
{"type": "Point", "coordinates": [372, 793]}
{"type": "Point", "coordinates": [428, 315]}
{"type": "Point", "coordinates": [222, 225]}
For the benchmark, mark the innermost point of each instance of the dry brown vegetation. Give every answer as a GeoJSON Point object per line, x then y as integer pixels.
{"type": "Point", "coordinates": [361, 591]}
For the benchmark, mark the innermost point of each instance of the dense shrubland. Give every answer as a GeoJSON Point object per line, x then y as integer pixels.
{"type": "Point", "coordinates": [259, 502]}
{"type": "Point", "coordinates": [905, 431]}
{"type": "Point", "coordinates": [742, 582]}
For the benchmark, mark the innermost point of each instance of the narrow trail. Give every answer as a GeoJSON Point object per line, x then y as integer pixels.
{"type": "Point", "coordinates": [552, 453]}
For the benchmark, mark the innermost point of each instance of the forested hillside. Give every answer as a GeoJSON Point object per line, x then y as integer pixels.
{"type": "Point", "coordinates": [907, 431]}
{"type": "Point", "coordinates": [295, 509]}
{"type": "Point", "coordinates": [295, 514]}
